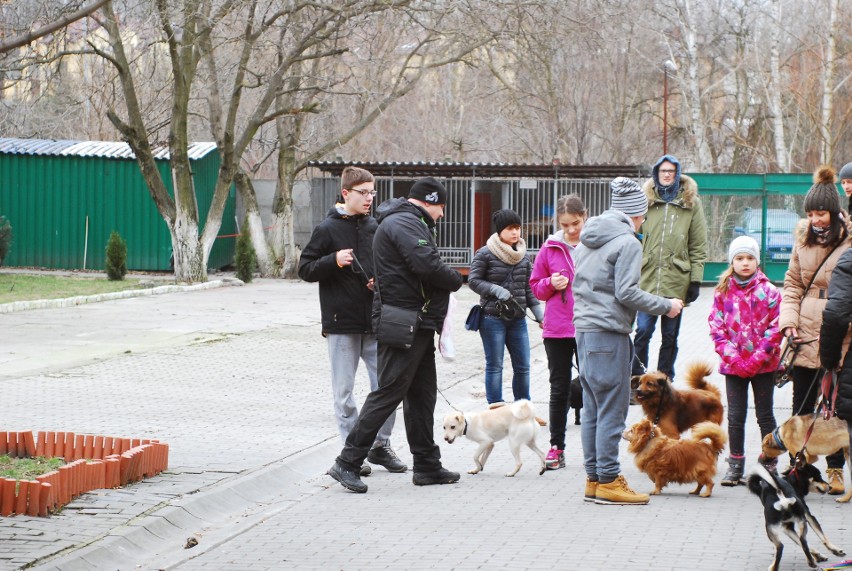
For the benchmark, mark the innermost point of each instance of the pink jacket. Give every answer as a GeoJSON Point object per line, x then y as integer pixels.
{"type": "Point", "coordinates": [554, 257]}
{"type": "Point", "coordinates": [744, 327]}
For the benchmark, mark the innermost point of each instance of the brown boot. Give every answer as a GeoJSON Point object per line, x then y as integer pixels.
{"type": "Point", "coordinates": [835, 481]}
{"type": "Point", "coordinates": [618, 493]}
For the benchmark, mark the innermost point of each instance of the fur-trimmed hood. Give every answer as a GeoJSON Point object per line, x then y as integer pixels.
{"type": "Point", "coordinates": [687, 196]}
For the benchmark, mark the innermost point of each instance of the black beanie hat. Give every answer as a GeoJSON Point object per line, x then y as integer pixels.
{"type": "Point", "coordinates": [823, 194]}
{"type": "Point", "coordinates": [504, 218]}
{"type": "Point", "coordinates": [428, 190]}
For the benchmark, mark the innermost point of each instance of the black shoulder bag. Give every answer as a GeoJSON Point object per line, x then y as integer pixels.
{"type": "Point", "coordinates": [396, 326]}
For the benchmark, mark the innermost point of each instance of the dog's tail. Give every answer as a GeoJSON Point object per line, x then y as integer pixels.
{"type": "Point", "coordinates": [712, 432]}
{"type": "Point", "coordinates": [696, 374]}
{"type": "Point", "coordinates": [786, 495]}
{"type": "Point", "coordinates": [522, 409]}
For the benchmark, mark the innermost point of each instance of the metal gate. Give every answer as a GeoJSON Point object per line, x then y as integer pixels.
{"type": "Point", "coordinates": [467, 216]}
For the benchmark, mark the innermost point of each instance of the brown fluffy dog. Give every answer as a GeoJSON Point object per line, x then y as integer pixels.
{"type": "Point", "coordinates": [667, 460]}
{"type": "Point", "coordinates": [827, 436]}
{"type": "Point", "coordinates": [675, 411]}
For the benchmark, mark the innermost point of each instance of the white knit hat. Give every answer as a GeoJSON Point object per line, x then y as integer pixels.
{"type": "Point", "coordinates": [627, 196]}
{"type": "Point", "coordinates": [744, 245]}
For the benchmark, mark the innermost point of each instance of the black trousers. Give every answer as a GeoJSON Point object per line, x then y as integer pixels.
{"type": "Point", "coordinates": [806, 388]}
{"type": "Point", "coordinates": [407, 376]}
{"type": "Point", "coordinates": [560, 357]}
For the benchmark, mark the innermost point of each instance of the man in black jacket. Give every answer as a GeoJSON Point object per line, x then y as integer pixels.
{"type": "Point", "coordinates": [834, 332]}
{"type": "Point", "coordinates": [339, 256]}
{"type": "Point", "coordinates": [410, 275]}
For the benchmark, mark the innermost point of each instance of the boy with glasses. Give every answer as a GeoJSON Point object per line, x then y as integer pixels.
{"type": "Point", "coordinates": [339, 256]}
{"type": "Point", "coordinates": [674, 249]}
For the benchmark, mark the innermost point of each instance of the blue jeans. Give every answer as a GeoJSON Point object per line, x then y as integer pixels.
{"type": "Point", "coordinates": [605, 376]}
{"type": "Point", "coordinates": [497, 334]}
{"type": "Point", "coordinates": [669, 327]}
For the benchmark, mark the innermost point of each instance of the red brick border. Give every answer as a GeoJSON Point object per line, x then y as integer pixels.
{"type": "Point", "coordinates": [93, 462]}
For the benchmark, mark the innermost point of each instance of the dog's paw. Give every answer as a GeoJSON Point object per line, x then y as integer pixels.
{"type": "Point", "coordinates": [473, 471]}
{"type": "Point", "coordinates": [510, 474]}
{"type": "Point", "coordinates": [838, 552]}
{"type": "Point", "coordinates": [543, 470]}
{"type": "Point", "coordinates": [819, 556]}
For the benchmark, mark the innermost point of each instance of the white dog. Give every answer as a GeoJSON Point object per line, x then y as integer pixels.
{"type": "Point", "coordinates": [515, 421]}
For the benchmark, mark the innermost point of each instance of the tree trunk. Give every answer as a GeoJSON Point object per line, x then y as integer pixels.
{"type": "Point", "coordinates": [703, 157]}
{"type": "Point", "coordinates": [775, 92]}
{"type": "Point", "coordinates": [827, 147]}
{"type": "Point", "coordinates": [189, 257]}
{"type": "Point", "coordinates": [254, 226]}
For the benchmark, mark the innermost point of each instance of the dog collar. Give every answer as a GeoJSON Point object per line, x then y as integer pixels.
{"type": "Point", "coordinates": [465, 428]}
{"type": "Point", "coordinates": [777, 438]}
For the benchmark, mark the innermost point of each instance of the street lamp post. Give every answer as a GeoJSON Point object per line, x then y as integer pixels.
{"type": "Point", "coordinates": [665, 111]}
{"type": "Point", "coordinates": [668, 65]}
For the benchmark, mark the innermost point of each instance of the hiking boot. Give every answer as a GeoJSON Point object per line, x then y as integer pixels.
{"type": "Point", "coordinates": [835, 481]}
{"type": "Point", "coordinates": [385, 456]}
{"type": "Point", "coordinates": [366, 470]}
{"type": "Point", "coordinates": [555, 458]}
{"type": "Point", "coordinates": [618, 493]}
{"type": "Point", "coordinates": [442, 476]}
{"type": "Point", "coordinates": [349, 479]}
{"type": "Point", "coordinates": [734, 475]}
{"type": "Point", "coordinates": [591, 488]}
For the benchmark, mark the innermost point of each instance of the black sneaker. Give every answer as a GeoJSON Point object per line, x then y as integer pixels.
{"type": "Point", "coordinates": [347, 478]}
{"type": "Point", "coordinates": [386, 457]}
{"type": "Point", "coordinates": [442, 476]}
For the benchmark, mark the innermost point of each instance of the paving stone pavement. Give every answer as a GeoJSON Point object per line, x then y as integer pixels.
{"type": "Point", "coordinates": [235, 380]}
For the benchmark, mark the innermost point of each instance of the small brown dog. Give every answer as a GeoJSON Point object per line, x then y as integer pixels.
{"type": "Point", "coordinates": [675, 411]}
{"type": "Point", "coordinates": [828, 436]}
{"type": "Point", "coordinates": [667, 460]}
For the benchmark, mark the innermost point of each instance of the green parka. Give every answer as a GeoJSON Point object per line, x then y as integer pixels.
{"type": "Point", "coordinates": [674, 243]}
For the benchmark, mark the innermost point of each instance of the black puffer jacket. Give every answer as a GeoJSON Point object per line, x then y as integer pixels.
{"type": "Point", "coordinates": [409, 268]}
{"type": "Point", "coordinates": [487, 271]}
{"type": "Point", "coordinates": [345, 300]}
{"type": "Point", "coordinates": [835, 325]}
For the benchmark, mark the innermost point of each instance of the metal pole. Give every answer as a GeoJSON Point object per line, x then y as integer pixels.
{"type": "Point", "coordinates": [665, 111]}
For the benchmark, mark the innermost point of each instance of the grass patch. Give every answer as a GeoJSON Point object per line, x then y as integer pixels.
{"type": "Point", "coordinates": [27, 468]}
{"type": "Point", "coordinates": [22, 287]}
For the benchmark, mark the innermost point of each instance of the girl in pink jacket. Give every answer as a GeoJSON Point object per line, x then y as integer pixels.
{"type": "Point", "coordinates": [744, 328]}
{"type": "Point", "coordinates": [551, 279]}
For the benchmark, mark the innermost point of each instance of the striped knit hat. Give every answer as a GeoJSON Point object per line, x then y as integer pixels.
{"type": "Point", "coordinates": [628, 197]}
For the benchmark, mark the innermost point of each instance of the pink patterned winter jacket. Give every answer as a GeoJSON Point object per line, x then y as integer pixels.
{"type": "Point", "coordinates": [744, 327]}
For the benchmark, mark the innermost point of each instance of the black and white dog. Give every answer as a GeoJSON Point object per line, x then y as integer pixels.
{"type": "Point", "coordinates": [785, 510]}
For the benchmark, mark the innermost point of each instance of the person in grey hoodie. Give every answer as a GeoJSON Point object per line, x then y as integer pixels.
{"type": "Point", "coordinates": [606, 299]}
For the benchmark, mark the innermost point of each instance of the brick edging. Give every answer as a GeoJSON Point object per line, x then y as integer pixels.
{"type": "Point", "coordinates": [93, 462]}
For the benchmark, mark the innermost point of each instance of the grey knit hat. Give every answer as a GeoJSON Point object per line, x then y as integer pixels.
{"type": "Point", "coordinates": [744, 245]}
{"type": "Point", "coordinates": [628, 197]}
{"type": "Point", "coordinates": [845, 172]}
{"type": "Point", "coordinates": [823, 194]}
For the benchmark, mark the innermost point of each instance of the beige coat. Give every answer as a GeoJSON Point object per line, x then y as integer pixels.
{"type": "Point", "coordinates": [807, 317]}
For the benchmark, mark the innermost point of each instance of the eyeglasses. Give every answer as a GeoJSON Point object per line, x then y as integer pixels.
{"type": "Point", "coordinates": [363, 192]}
{"type": "Point", "coordinates": [667, 171]}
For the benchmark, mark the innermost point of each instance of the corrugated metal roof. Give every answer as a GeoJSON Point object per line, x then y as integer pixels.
{"type": "Point", "coordinates": [103, 149]}
{"type": "Point", "coordinates": [485, 170]}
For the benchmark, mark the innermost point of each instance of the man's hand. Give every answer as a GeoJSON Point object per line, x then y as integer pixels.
{"type": "Point", "coordinates": [677, 306]}
{"type": "Point", "coordinates": [371, 285]}
{"type": "Point", "coordinates": [344, 257]}
{"type": "Point", "coordinates": [692, 291]}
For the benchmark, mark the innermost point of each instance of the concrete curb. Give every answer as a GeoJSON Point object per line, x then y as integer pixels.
{"type": "Point", "coordinates": [218, 513]}
{"type": "Point", "coordinates": [83, 299]}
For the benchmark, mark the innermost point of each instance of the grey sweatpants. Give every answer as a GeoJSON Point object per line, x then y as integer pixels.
{"type": "Point", "coordinates": [605, 375]}
{"type": "Point", "coordinates": [344, 351]}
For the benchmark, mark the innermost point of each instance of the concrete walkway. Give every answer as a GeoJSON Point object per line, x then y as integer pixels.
{"type": "Point", "coordinates": [235, 379]}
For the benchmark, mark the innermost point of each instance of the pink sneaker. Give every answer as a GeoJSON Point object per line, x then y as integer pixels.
{"type": "Point", "coordinates": [555, 459]}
